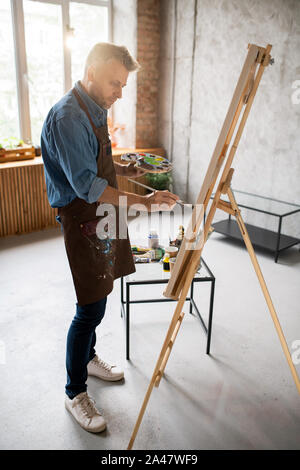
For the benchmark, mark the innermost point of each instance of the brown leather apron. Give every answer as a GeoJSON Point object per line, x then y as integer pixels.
{"type": "Point", "coordinates": [95, 262]}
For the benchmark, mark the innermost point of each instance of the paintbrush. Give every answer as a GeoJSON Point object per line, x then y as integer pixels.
{"type": "Point", "coordinates": [181, 203]}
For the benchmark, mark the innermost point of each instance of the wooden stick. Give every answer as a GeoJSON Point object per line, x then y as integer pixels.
{"type": "Point", "coordinates": [181, 203]}
{"type": "Point", "coordinates": [227, 183]}
{"type": "Point", "coordinates": [228, 171]}
{"type": "Point", "coordinates": [169, 349]}
{"type": "Point", "coordinates": [216, 162]}
{"type": "Point", "coordinates": [174, 285]}
{"type": "Point", "coordinates": [225, 206]}
{"type": "Point", "coordinates": [174, 321]}
{"type": "Point", "coordinates": [179, 285]}
{"type": "Point", "coordinates": [264, 288]}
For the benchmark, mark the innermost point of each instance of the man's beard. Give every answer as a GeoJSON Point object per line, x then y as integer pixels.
{"type": "Point", "coordinates": [99, 100]}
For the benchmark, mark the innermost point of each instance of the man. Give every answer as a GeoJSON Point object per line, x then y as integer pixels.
{"type": "Point", "coordinates": [81, 177]}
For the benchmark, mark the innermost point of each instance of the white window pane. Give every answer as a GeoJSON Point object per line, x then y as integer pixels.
{"type": "Point", "coordinates": [44, 50]}
{"type": "Point", "coordinates": [9, 119]}
{"type": "Point", "coordinates": [90, 23]}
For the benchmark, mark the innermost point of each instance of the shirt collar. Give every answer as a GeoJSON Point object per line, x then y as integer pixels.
{"type": "Point", "coordinates": [99, 114]}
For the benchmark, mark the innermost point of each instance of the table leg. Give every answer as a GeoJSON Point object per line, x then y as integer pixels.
{"type": "Point", "coordinates": [127, 322]}
{"type": "Point", "coordinates": [211, 308]}
{"type": "Point", "coordinates": [122, 296]}
{"type": "Point", "coordinates": [191, 296]}
{"type": "Point", "coordinates": [278, 239]}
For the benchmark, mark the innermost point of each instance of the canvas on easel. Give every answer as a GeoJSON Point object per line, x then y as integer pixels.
{"type": "Point", "coordinates": [189, 255]}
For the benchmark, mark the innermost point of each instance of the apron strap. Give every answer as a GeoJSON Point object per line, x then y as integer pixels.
{"type": "Point", "coordinates": [83, 106]}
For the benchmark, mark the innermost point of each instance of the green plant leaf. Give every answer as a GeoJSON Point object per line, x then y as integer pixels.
{"type": "Point", "coordinates": [159, 181]}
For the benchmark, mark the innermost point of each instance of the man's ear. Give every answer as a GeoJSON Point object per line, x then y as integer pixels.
{"type": "Point", "coordinates": [91, 73]}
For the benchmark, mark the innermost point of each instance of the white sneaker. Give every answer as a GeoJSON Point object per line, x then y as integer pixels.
{"type": "Point", "coordinates": [102, 370]}
{"type": "Point", "coordinates": [83, 408]}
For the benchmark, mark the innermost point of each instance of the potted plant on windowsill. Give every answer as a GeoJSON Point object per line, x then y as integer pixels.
{"type": "Point", "coordinates": [13, 149]}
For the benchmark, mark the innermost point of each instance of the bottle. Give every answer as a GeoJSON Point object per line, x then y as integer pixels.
{"type": "Point", "coordinates": [166, 263]}
{"type": "Point", "coordinates": [153, 239]}
{"type": "Point", "coordinates": [156, 253]}
{"type": "Point", "coordinates": [180, 236]}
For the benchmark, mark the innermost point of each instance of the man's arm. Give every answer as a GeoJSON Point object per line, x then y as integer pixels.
{"type": "Point", "coordinates": [158, 200]}
{"type": "Point", "coordinates": [112, 195]}
{"type": "Point", "coordinates": [76, 157]}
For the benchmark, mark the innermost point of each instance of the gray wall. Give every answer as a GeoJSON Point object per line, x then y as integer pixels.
{"type": "Point", "coordinates": [203, 46]}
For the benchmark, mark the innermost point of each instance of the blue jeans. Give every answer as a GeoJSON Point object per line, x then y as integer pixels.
{"type": "Point", "coordinates": [81, 341]}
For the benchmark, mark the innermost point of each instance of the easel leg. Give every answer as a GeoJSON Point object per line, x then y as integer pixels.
{"type": "Point", "coordinates": [157, 374]}
{"type": "Point", "coordinates": [163, 357]}
{"type": "Point", "coordinates": [264, 287]}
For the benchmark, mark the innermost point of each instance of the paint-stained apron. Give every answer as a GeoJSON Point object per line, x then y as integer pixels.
{"type": "Point", "coordinates": [95, 262]}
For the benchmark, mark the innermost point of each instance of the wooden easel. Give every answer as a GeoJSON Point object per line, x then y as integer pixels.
{"type": "Point", "coordinates": [188, 259]}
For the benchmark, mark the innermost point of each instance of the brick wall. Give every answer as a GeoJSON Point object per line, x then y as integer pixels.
{"type": "Point", "coordinates": [148, 45]}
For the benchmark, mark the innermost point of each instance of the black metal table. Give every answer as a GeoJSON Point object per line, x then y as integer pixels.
{"type": "Point", "coordinates": [270, 240]}
{"type": "Point", "coordinates": [152, 273]}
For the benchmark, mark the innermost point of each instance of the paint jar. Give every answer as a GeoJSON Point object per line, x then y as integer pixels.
{"type": "Point", "coordinates": [153, 239]}
{"type": "Point", "coordinates": [172, 251]}
{"type": "Point", "coordinates": [138, 259]}
{"type": "Point", "coordinates": [166, 263]}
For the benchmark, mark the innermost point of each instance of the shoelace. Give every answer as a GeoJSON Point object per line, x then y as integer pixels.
{"type": "Point", "coordinates": [101, 363]}
{"type": "Point", "coordinates": [87, 405]}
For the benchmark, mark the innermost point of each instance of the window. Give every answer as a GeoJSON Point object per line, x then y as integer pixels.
{"type": "Point", "coordinates": [37, 65]}
{"type": "Point", "coordinates": [44, 52]}
{"type": "Point", "coordinates": [90, 23]}
{"type": "Point", "coordinates": [9, 120]}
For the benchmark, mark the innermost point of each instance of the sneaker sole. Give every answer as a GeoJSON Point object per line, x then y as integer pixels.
{"type": "Point", "coordinates": [108, 379]}
{"type": "Point", "coordinates": [100, 429]}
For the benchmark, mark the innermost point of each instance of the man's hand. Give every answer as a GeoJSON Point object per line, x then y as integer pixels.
{"type": "Point", "coordinates": [129, 170]}
{"type": "Point", "coordinates": [132, 171]}
{"type": "Point", "coordinates": [160, 201]}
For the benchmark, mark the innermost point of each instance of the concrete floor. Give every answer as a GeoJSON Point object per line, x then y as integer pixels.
{"type": "Point", "coordinates": [242, 396]}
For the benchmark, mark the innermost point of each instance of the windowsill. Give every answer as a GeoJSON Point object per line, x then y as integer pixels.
{"type": "Point", "coordinates": [116, 152]}
{"type": "Point", "coordinates": [29, 162]}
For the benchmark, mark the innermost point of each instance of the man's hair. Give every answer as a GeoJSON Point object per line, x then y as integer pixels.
{"type": "Point", "coordinates": [104, 51]}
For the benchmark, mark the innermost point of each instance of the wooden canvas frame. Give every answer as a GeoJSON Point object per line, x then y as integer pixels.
{"type": "Point", "coordinates": [185, 257]}
{"type": "Point", "coordinates": [188, 259]}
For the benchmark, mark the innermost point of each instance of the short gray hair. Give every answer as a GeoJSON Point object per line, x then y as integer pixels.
{"type": "Point", "coordinates": [104, 51]}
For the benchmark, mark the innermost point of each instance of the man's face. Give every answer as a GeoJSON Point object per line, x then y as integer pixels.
{"type": "Point", "coordinates": [105, 82]}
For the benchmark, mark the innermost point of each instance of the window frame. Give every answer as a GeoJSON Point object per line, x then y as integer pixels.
{"type": "Point", "coordinates": [18, 27]}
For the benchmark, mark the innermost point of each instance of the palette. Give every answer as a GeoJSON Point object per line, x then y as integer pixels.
{"type": "Point", "coordinates": [148, 162]}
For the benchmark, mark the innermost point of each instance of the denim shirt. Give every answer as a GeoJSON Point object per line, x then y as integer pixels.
{"type": "Point", "coordinates": [70, 150]}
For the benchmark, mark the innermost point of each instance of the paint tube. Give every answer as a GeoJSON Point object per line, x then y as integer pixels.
{"type": "Point", "coordinates": [139, 259]}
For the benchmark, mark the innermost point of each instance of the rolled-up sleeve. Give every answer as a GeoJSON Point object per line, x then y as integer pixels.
{"type": "Point", "coordinates": [77, 158]}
